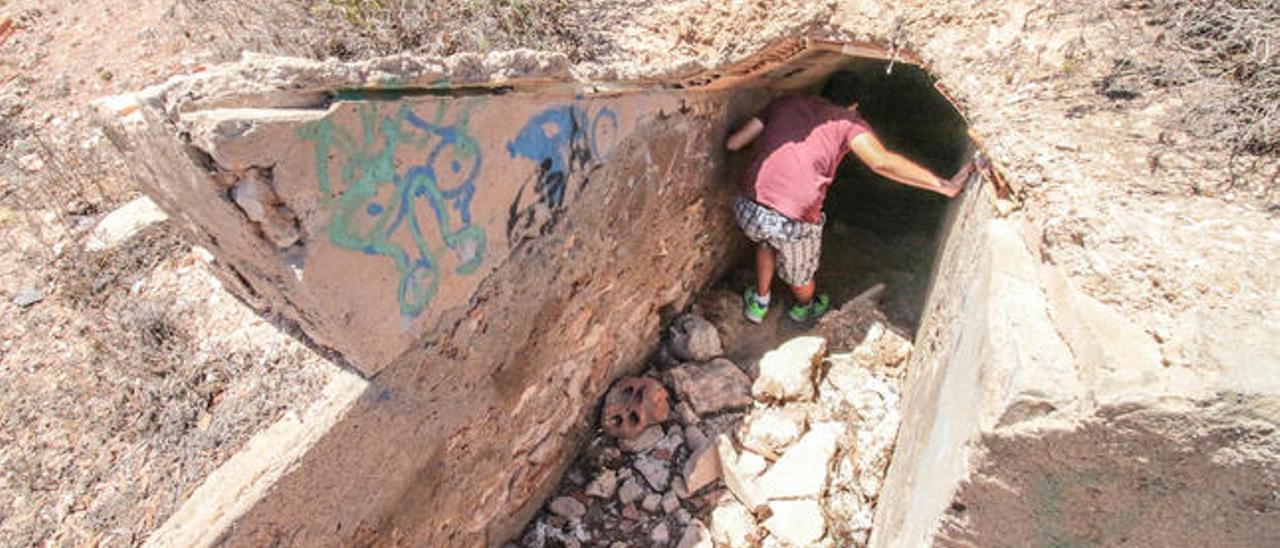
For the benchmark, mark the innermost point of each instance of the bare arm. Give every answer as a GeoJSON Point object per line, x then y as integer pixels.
{"type": "Point", "coordinates": [745, 134]}
{"type": "Point", "coordinates": [894, 166]}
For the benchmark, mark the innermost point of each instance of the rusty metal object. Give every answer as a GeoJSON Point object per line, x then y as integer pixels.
{"type": "Point", "coordinates": [632, 405]}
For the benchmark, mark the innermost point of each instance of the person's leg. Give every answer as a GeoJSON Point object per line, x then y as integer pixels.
{"type": "Point", "coordinates": [804, 293]}
{"type": "Point", "coordinates": [764, 269]}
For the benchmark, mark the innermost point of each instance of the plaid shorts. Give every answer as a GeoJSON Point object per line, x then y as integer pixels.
{"type": "Point", "coordinates": [799, 244]}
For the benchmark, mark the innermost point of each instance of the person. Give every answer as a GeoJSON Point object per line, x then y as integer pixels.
{"type": "Point", "coordinates": [802, 139]}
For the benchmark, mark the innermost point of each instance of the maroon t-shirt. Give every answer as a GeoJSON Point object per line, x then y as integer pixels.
{"type": "Point", "coordinates": [803, 141]}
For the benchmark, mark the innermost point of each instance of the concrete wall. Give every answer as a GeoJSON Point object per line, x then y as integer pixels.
{"type": "Point", "coordinates": [1035, 415]}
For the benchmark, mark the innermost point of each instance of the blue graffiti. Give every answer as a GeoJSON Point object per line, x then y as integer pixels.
{"type": "Point", "coordinates": [375, 210]}
{"type": "Point", "coordinates": [565, 143]}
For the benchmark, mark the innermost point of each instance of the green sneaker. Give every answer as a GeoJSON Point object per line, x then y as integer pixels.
{"type": "Point", "coordinates": [812, 311]}
{"type": "Point", "coordinates": [752, 308]}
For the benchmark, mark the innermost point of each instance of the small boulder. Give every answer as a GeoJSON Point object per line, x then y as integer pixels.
{"type": "Point", "coordinates": [568, 508]}
{"type": "Point", "coordinates": [639, 444]}
{"type": "Point", "coordinates": [604, 485]}
{"type": "Point", "coordinates": [711, 387]}
{"type": "Point", "coordinates": [630, 491]}
{"type": "Point", "coordinates": [692, 338]}
{"type": "Point", "coordinates": [739, 483]}
{"type": "Point", "coordinates": [803, 469]}
{"type": "Point", "coordinates": [702, 468]}
{"type": "Point", "coordinates": [796, 522]}
{"type": "Point", "coordinates": [123, 223]}
{"type": "Point", "coordinates": [786, 373]}
{"type": "Point", "coordinates": [655, 471]}
{"type": "Point", "coordinates": [770, 431]}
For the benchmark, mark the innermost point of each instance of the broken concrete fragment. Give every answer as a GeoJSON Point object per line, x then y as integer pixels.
{"type": "Point", "coordinates": [604, 485]}
{"type": "Point", "coordinates": [733, 525]}
{"type": "Point", "coordinates": [695, 536]}
{"type": "Point", "coordinates": [632, 405]}
{"type": "Point", "coordinates": [786, 373]}
{"type": "Point", "coordinates": [655, 471]}
{"type": "Point", "coordinates": [568, 508]}
{"type": "Point", "coordinates": [751, 464]}
{"type": "Point", "coordinates": [261, 205]}
{"type": "Point", "coordinates": [123, 223]}
{"type": "Point", "coordinates": [639, 444]}
{"type": "Point", "coordinates": [630, 491]}
{"type": "Point", "coordinates": [702, 468]}
{"type": "Point", "coordinates": [711, 387]}
{"type": "Point", "coordinates": [796, 522]}
{"type": "Point", "coordinates": [739, 483]}
{"type": "Point", "coordinates": [803, 469]}
{"type": "Point", "coordinates": [770, 431]}
{"type": "Point", "coordinates": [694, 339]}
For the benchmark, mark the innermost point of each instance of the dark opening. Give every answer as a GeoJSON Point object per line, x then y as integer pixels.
{"type": "Point", "coordinates": [879, 230]}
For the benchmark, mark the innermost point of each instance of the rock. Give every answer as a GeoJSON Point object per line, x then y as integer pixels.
{"type": "Point", "coordinates": [786, 373]}
{"type": "Point", "coordinates": [633, 405]}
{"type": "Point", "coordinates": [630, 512]}
{"type": "Point", "coordinates": [683, 517]}
{"type": "Point", "coordinates": [678, 487]}
{"type": "Point", "coordinates": [639, 444]}
{"type": "Point", "coordinates": [259, 202]}
{"type": "Point", "coordinates": [123, 223]}
{"type": "Point", "coordinates": [695, 438]}
{"type": "Point", "coordinates": [702, 468]}
{"type": "Point", "coordinates": [711, 387]}
{"type": "Point", "coordinates": [733, 525]}
{"type": "Point", "coordinates": [666, 448]}
{"type": "Point", "coordinates": [660, 536]}
{"type": "Point", "coordinates": [568, 508]}
{"type": "Point", "coordinates": [651, 503]}
{"type": "Point", "coordinates": [796, 522]}
{"type": "Point", "coordinates": [28, 296]}
{"type": "Point", "coordinates": [739, 483]}
{"type": "Point", "coordinates": [604, 485]}
{"type": "Point", "coordinates": [695, 536]}
{"type": "Point", "coordinates": [692, 338]}
{"type": "Point", "coordinates": [803, 469]}
{"type": "Point", "coordinates": [770, 431]}
{"type": "Point", "coordinates": [656, 471]}
{"type": "Point", "coordinates": [751, 464]}
{"type": "Point", "coordinates": [687, 415]}
{"type": "Point", "coordinates": [670, 502]}
{"type": "Point", "coordinates": [630, 491]}
{"type": "Point", "coordinates": [31, 163]}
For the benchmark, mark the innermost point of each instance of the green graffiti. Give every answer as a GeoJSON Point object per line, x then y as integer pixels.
{"type": "Point", "coordinates": [374, 207]}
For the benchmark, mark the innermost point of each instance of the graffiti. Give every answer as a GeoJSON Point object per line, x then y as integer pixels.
{"type": "Point", "coordinates": [376, 209]}
{"type": "Point", "coordinates": [567, 145]}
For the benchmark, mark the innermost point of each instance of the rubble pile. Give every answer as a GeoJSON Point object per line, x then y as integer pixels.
{"type": "Point", "coordinates": [701, 452]}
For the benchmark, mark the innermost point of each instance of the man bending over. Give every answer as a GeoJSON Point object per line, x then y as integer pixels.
{"type": "Point", "coordinates": [802, 139]}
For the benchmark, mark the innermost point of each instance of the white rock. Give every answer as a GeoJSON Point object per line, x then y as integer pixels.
{"type": "Point", "coordinates": [650, 437]}
{"type": "Point", "coordinates": [739, 483]}
{"type": "Point", "coordinates": [796, 522]}
{"type": "Point", "coordinates": [802, 471]}
{"type": "Point", "coordinates": [604, 485]}
{"type": "Point", "coordinates": [769, 431]}
{"type": "Point", "coordinates": [732, 525]}
{"type": "Point", "coordinates": [786, 373]}
{"type": "Point", "coordinates": [751, 464]}
{"type": "Point", "coordinates": [568, 507]}
{"type": "Point", "coordinates": [123, 223]}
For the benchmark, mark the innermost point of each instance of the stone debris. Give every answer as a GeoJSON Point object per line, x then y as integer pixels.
{"type": "Point", "coordinates": [711, 387]}
{"type": "Point", "coordinates": [604, 485]}
{"type": "Point", "coordinates": [123, 223]}
{"type": "Point", "coordinates": [28, 296]}
{"type": "Point", "coordinates": [693, 339]}
{"type": "Point", "coordinates": [769, 431]}
{"type": "Point", "coordinates": [786, 373]}
{"type": "Point", "coordinates": [568, 508]}
{"type": "Point", "coordinates": [801, 464]}
{"type": "Point", "coordinates": [796, 522]}
{"type": "Point", "coordinates": [802, 471]}
{"type": "Point", "coordinates": [633, 405]}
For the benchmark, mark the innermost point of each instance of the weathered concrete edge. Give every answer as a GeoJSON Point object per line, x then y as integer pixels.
{"type": "Point", "coordinates": [236, 486]}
